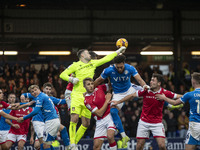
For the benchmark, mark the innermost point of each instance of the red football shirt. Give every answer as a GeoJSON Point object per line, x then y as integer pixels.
{"type": "Point", "coordinates": [3, 105]}
{"type": "Point", "coordinates": [152, 108]}
{"type": "Point", "coordinates": [24, 127]}
{"type": "Point", "coordinates": [69, 86]}
{"type": "Point", "coordinates": [95, 100]}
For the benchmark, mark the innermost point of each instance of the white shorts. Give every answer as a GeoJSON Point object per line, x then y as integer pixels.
{"type": "Point", "coordinates": [144, 128]}
{"type": "Point", "coordinates": [119, 96]}
{"type": "Point", "coordinates": [3, 136]}
{"type": "Point", "coordinates": [13, 137]}
{"type": "Point", "coordinates": [51, 130]}
{"type": "Point", "coordinates": [193, 134]}
{"type": "Point", "coordinates": [102, 126]}
{"type": "Point", "coordinates": [38, 128]}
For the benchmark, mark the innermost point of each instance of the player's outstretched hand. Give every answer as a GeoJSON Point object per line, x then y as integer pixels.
{"type": "Point", "coordinates": [16, 126]}
{"type": "Point", "coordinates": [73, 80]}
{"type": "Point", "coordinates": [160, 97]}
{"type": "Point", "coordinates": [146, 87]}
{"type": "Point", "coordinates": [15, 105]}
{"type": "Point", "coordinates": [114, 103]}
{"type": "Point", "coordinates": [121, 50]}
{"type": "Point", "coordinates": [20, 120]}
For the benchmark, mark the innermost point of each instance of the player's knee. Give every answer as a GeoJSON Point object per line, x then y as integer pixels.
{"type": "Point", "coordinates": [96, 147]}
{"type": "Point", "coordinates": [20, 147]}
{"type": "Point", "coordinates": [86, 124]}
{"type": "Point", "coordinates": [110, 138]}
{"type": "Point", "coordinates": [37, 145]}
{"type": "Point", "coordinates": [139, 146]}
{"type": "Point", "coordinates": [162, 146]}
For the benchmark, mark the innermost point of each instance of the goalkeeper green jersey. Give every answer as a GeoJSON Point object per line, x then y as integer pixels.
{"type": "Point", "coordinates": [83, 70]}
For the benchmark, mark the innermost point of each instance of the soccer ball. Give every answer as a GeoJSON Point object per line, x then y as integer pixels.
{"type": "Point", "coordinates": [122, 42]}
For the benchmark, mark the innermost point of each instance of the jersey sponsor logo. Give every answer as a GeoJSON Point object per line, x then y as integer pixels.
{"type": "Point", "coordinates": [73, 108]}
{"type": "Point", "coordinates": [150, 97]}
{"type": "Point", "coordinates": [87, 66]}
{"type": "Point", "coordinates": [117, 79]}
{"type": "Point", "coordinates": [126, 71]}
{"type": "Point", "coordinates": [47, 110]}
{"type": "Point", "coordinates": [113, 72]}
{"type": "Point", "coordinates": [196, 95]}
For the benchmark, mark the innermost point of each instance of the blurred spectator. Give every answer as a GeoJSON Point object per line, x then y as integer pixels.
{"type": "Point", "coordinates": [183, 122]}
{"type": "Point", "coordinates": [171, 126]}
{"type": "Point", "coordinates": [133, 125]}
{"type": "Point", "coordinates": [42, 75]}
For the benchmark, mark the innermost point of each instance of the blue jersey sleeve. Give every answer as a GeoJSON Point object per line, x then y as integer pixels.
{"type": "Point", "coordinates": [58, 101]}
{"type": "Point", "coordinates": [28, 95]}
{"type": "Point", "coordinates": [185, 97]}
{"type": "Point", "coordinates": [33, 113]}
{"type": "Point", "coordinates": [105, 73]}
{"type": "Point", "coordinates": [166, 104]}
{"type": "Point", "coordinates": [133, 71]}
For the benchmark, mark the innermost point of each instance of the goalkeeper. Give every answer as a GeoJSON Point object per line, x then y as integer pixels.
{"type": "Point", "coordinates": [82, 69]}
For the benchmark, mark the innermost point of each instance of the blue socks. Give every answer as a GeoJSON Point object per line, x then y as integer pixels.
{"type": "Point", "coordinates": [65, 136]}
{"type": "Point", "coordinates": [116, 119]}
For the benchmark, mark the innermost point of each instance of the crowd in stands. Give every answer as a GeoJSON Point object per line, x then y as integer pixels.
{"type": "Point", "coordinates": [16, 79]}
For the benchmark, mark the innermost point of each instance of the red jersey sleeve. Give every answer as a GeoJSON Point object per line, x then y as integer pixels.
{"type": "Point", "coordinates": [169, 94]}
{"type": "Point", "coordinates": [104, 87]}
{"type": "Point", "coordinates": [69, 86]}
{"type": "Point", "coordinates": [140, 93]}
{"type": "Point", "coordinates": [5, 105]}
{"type": "Point", "coordinates": [89, 104]}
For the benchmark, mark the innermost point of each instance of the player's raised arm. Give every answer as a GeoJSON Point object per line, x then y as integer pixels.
{"type": "Point", "coordinates": [98, 81]}
{"type": "Point", "coordinates": [109, 57]}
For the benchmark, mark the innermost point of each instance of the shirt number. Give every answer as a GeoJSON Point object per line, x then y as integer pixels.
{"type": "Point", "coordinates": [198, 103]}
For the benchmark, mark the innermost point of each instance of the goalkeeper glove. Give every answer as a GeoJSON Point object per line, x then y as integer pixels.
{"type": "Point", "coordinates": [73, 80]}
{"type": "Point", "coordinates": [175, 107]}
{"type": "Point", "coordinates": [121, 50]}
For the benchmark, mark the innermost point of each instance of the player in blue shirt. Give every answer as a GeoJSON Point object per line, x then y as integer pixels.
{"type": "Point", "coordinates": [119, 75]}
{"type": "Point", "coordinates": [193, 134]}
{"type": "Point", "coordinates": [52, 122]}
{"type": "Point", "coordinates": [38, 120]}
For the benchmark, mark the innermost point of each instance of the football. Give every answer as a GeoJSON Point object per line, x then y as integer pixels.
{"type": "Point", "coordinates": [122, 42]}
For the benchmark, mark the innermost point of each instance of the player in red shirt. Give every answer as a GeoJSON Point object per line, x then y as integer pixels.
{"type": "Point", "coordinates": [151, 117]}
{"type": "Point", "coordinates": [98, 103]}
{"type": "Point", "coordinates": [18, 131]}
{"type": "Point", "coordinates": [5, 105]}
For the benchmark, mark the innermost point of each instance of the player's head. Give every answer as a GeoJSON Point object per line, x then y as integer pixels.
{"type": "Point", "coordinates": [1, 94]}
{"type": "Point", "coordinates": [88, 83]}
{"type": "Point", "coordinates": [23, 99]}
{"type": "Point", "coordinates": [119, 62]}
{"type": "Point", "coordinates": [195, 79]}
{"type": "Point", "coordinates": [93, 55]}
{"type": "Point", "coordinates": [34, 90]}
{"type": "Point", "coordinates": [11, 98]}
{"type": "Point", "coordinates": [84, 54]}
{"type": "Point", "coordinates": [156, 82]}
{"type": "Point", "coordinates": [47, 88]}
